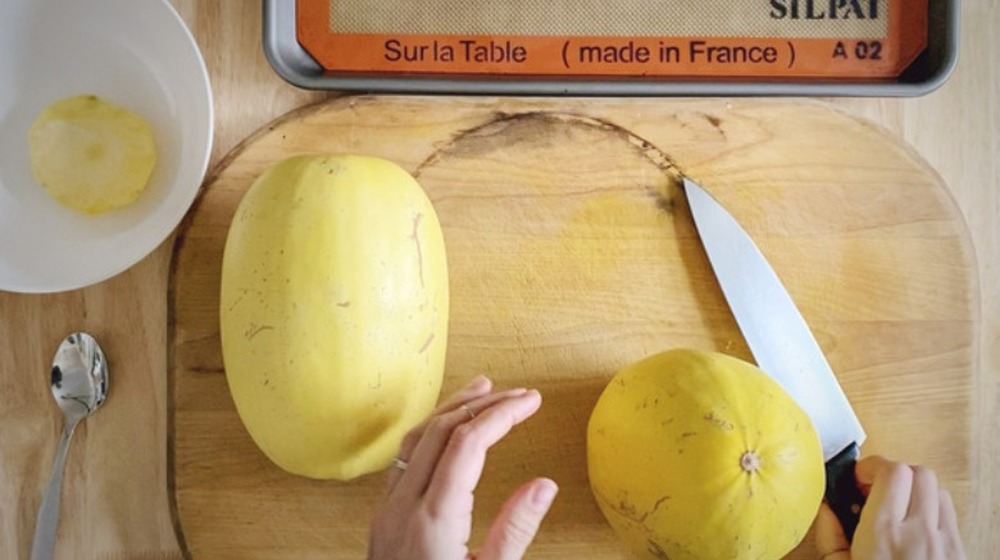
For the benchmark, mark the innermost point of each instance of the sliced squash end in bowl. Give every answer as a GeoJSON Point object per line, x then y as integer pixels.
{"type": "Point", "coordinates": [90, 154]}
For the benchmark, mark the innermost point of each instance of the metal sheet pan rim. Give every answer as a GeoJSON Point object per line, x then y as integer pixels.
{"type": "Point", "coordinates": [295, 66]}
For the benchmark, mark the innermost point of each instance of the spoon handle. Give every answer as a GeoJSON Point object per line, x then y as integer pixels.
{"type": "Point", "coordinates": [43, 546]}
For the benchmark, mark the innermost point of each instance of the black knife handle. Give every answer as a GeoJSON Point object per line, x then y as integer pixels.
{"type": "Point", "coordinates": [842, 493]}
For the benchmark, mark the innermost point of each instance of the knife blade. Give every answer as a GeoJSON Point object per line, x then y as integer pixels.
{"type": "Point", "coordinates": [782, 345]}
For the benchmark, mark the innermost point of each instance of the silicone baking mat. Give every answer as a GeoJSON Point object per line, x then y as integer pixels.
{"type": "Point", "coordinates": [748, 40]}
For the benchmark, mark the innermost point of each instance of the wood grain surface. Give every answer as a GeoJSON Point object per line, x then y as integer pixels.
{"type": "Point", "coordinates": [572, 253]}
{"type": "Point", "coordinates": [116, 502]}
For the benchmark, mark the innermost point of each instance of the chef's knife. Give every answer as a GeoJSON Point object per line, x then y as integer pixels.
{"type": "Point", "coordinates": [783, 346]}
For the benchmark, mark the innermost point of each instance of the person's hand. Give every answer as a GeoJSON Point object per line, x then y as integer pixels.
{"type": "Point", "coordinates": [427, 512]}
{"type": "Point", "coordinates": [907, 516]}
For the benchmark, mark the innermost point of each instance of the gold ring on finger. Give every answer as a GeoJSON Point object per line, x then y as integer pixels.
{"type": "Point", "coordinates": [399, 463]}
{"type": "Point", "coordinates": [468, 411]}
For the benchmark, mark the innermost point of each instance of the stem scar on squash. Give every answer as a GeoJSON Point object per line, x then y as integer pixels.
{"type": "Point", "coordinates": [750, 462]}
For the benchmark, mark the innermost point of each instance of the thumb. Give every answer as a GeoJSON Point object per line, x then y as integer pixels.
{"type": "Point", "coordinates": [831, 544]}
{"type": "Point", "coordinates": [516, 524]}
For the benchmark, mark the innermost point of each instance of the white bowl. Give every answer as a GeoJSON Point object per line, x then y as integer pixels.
{"type": "Point", "coordinates": [134, 53]}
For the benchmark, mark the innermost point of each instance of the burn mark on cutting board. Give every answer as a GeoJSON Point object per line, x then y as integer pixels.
{"type": "Point", "coordinates": [543, 129]}
{"type": "Point", "coordinates": [500, 135]}
{"type": "Point", "coordinates": [715, 121]}
{"type": "Point", "coordinates": [663, 200]}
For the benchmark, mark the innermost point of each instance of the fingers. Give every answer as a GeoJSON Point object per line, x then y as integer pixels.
{"type": "Point", "coordinates": [907, 510]}
{"type": "Point", "coordinates": [924, 498]}
{"type": "Point", "coordinates": [429, 504]}
{"type": "Point", "coordinates": [867, 468]}
{"type": "Point", "coordinates": [948, 520]}
{"type": "Point", "coordinates": [831, 544]}
{"type": "Point", "coordinates": [461, 464]}
{"type": "Point", "coordinates": [891, 487]}
{"type": "Point", "coordinates": [898, 490]}
{"type": "Point", "coordinates": [477, 387]}
{"type": "Point", "coordinates": [518, 521]}
{"type": "Point", "coordinates": [888, 486]}
{"type": "Point", "coordinates": [435, 438]}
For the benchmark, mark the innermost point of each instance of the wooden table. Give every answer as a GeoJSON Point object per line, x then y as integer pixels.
{"type": "Point", "coordinates": [119, 457]}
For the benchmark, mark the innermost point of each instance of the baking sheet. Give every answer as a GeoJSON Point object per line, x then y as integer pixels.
{"type": "Point", "coordinates": [386, 48]}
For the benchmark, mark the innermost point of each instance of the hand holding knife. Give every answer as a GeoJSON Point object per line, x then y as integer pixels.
{"type": "Point", "coordinates": [914, 516]}
{"type": "Point", "coordinates": [783, 346]}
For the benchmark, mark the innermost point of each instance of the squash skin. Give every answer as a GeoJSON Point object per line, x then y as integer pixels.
{"type": "Point", "coordinates": [666, 449]}
{"type": "Point", "coordinates": [334, 312]}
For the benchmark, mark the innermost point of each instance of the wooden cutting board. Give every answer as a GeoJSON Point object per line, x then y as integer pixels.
{"type": "Point", "coordinates": [571, 253]}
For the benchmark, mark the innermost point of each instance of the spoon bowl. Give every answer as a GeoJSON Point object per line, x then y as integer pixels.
{"type": "Point", "coordinates": [79, 383]}
{"type": "Point", "coordinates": [79, 376]}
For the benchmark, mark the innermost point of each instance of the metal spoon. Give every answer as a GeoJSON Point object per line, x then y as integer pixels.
{"type": "Point", "coordinates": [79, 385]}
